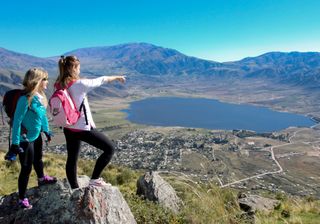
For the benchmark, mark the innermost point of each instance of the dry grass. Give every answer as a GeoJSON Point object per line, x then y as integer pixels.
{"type": "Point", "coordinates": [203, 203]}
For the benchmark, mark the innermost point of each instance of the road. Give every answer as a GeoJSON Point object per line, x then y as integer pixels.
{"type": "Point", "coordinates": [280, 170]}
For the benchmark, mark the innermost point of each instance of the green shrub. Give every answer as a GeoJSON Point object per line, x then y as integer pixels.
{"type": "Point", "coordinates": [146, 211]}
{"type": "Point", "coordinates": [124, 177]}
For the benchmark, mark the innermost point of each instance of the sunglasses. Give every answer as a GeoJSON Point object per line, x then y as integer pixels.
{"type": "Point", "coordinates": [45, 79]}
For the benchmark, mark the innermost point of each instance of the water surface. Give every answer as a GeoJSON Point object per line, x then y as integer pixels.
{"type": "Point", "coordinates": [211, 114]}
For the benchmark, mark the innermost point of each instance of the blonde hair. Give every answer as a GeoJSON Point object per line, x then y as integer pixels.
{"type": "Point", "coordinates": [67, 70]}
{"type": "Point", "coordinates": [32, 82]}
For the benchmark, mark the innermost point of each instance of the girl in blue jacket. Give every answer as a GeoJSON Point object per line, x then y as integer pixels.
{"type": "Point", "coordinates": [30, 114]}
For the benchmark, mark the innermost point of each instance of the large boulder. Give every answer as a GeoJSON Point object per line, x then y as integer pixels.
{"type": "Point", "coordinates": [253, 203]}
{"type": "Point", "coordinates": [57, 203]}
{"type": "Point", "coordinates": [154, 188]}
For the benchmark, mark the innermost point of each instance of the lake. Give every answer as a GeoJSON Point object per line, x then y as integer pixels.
{"type": "Point", "coordinates": [211, 114]}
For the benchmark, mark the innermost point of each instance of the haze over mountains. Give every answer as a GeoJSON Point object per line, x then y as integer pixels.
{"type": "Point", "coordinates": [15, 61]}
{"type": "Point", "coordinates": [144, 61]}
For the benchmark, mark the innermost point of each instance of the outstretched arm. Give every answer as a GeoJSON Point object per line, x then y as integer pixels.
{"type": "Point", "coordinates": [86, 85]}
{"type": "Point", "coordinates": [109, 79]}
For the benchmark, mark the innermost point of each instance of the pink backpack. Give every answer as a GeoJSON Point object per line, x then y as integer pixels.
{"type": "Point", "coordinates": [63, 108]}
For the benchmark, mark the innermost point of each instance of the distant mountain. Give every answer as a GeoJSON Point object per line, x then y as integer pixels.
{"type": "Point", "coordinates": [310, 59]}
{"type": "Point", "coordinates": [143, 61]}
{"type": "Point", "coordinates": [294, 67]}
{"type": "Point", "coordinates": [9, 80]}
{"type": "Point", "coordinates": [149, 60]}
{"type": "Point", "coordinates": [140, 58]}
{"type": "Point", "coordinates": [18, 62]}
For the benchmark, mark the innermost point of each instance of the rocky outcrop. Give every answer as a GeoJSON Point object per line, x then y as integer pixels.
{"type": "Point", "coordinates": [154, 188]}
{"type": "Point", "coordinates": [250, 204]}
{"type": "Point", "coordinates": [58, 203]}
{"type": "Point", "coordinates": [253, 203]}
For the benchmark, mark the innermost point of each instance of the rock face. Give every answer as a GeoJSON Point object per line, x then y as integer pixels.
{"type": "Point", "coordinates": [58, 203]}
{"type": "Point", "coordinates": [253, 203]}
{"type": "Point", "coordinates": [154, 188]}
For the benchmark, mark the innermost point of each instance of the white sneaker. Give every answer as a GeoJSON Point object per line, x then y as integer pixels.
{"type": "Point", "coordinates": [98, 183]}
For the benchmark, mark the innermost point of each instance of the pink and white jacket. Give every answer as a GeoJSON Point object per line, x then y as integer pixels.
{"type": "Point", "coordinates": [78, 91]}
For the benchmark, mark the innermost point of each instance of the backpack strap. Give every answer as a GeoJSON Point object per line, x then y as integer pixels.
{"type": "Point", "coordinates": [58, 86]}
{"type": "Point", "coordinates": [82, 103]}
{"type": "Point", "coordinates": [70, 84]}
{"type": "Point", "coordinates": [84, 111]}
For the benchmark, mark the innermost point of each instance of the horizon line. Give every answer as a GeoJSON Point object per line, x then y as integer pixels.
{"type": "Point", "coordinates": [140, 43]}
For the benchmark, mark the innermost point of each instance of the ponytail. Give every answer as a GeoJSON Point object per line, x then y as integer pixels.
{"type": "Point", "coordinates": [61, 64]}
{"type": "Point", "coordinates": [67, 70]}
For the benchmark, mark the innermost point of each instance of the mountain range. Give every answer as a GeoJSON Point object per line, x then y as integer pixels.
{"type": "Point", "coordinates": [146, 61]}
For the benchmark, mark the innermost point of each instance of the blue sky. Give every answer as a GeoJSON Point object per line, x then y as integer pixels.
{"type": "Point", "coordinates": [217, 30]}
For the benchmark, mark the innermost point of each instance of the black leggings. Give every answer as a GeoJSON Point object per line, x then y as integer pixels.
{"type": "Point", "coordinates": [32, 155]}
{"type": "Point", "coordinates": [93, 138]}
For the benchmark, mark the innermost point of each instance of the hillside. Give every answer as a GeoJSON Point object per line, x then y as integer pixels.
{"type": "Point", "coordinates": [17, 62]}
{"type": "Point", "coordinates": [202, 203]}
{"type": "Point", "coordinates": [140, 58]}
{"type": "Point", "coordinates": [302, 69]}
{"type": "Point", "coordinates": [144, 61]}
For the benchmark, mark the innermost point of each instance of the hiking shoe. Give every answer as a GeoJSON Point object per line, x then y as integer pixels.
{"type": "Point", "coordinates": [25, 203]}
{"type": "Point", "coordinates": [10, 156]}
{"type": "Point", "coordinates": [98, 183]}
{"type": "Point", "coordinates": [46, 180]}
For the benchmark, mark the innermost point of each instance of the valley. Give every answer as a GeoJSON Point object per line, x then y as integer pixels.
{"type": "Point", "coordinates": [284, 161]}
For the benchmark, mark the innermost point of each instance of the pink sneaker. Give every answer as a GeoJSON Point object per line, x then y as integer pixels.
{"type": "Point", "coordinates": [46, 180]}
{"type": "Point", "coordinates": [98, 183]}
{"type": "Point", "coordinates": [25, 203]}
